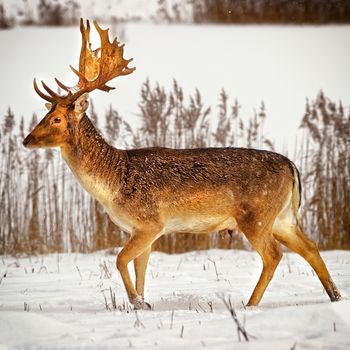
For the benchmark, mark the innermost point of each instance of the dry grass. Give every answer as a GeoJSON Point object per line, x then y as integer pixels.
{"type": "Point", "coordinates": [325, 165]}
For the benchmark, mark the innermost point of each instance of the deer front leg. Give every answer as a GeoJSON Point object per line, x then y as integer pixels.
{"type": "Point", "coordinates": [138, 243]}
{"type": "Point", "coordinates": [140, 266]}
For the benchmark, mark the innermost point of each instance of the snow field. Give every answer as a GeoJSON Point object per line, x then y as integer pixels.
{"type": "Point", "coordinates": [59, 301]}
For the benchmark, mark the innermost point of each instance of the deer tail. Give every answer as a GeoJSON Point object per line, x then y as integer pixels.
{"type": "Point", "coordinates": [296, 193]}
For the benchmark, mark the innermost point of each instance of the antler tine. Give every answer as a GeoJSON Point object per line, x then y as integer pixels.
{"type": "Point", "coordinates": [106, 88]}
{"type": "Point", "coordinates": [84, 30]}
{"type": "Point", "coordinates": [128, 70]}
{"type": "Point", "coordinates": [99, 29]}
{"type": "Point", "coordinates": [79, 74]}
{"type": "Point", "coordinates": [62, 86]}
{"type": "Point", "coordinates": [41, 94]}
{"type": "Point", "coordinates": [56, 96]}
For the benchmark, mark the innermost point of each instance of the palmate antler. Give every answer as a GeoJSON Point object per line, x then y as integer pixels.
{"type": "Point", "coordinates": [94, 70]}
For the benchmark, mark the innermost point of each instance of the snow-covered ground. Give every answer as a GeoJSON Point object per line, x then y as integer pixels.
{"type": "Point", "coordinates": [282, 65]}
{"type": "Point", "coordinates": [58, 301]}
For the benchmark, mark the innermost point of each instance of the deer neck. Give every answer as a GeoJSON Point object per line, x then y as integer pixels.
{"type": "Point", "coordinates": [98, 166]}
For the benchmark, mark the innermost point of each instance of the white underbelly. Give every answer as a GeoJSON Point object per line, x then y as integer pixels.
{"type": "Point", "coordinates": [177, 225]}
{"type": "Point", "coordinates": [198, 224]}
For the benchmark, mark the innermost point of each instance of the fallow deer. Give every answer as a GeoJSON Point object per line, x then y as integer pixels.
{"type": "Point", "coordinates": [151, 192]}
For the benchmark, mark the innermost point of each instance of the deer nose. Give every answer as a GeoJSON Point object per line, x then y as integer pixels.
{"type": "Point", "coordinates": [27, 140]}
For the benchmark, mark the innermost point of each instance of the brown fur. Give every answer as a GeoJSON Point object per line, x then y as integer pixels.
{"type": "Point", "coordinates": [154, 191]}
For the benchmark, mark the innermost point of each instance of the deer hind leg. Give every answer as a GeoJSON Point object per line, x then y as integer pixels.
{"type": "Point", "coordinates": [270, 253]}
{"type": "Point", "coordinates": [294, 238]}
{"type": "Point", "coordinates": [257, 227]}
{"type": "Point", "coordinates": [138, 243]}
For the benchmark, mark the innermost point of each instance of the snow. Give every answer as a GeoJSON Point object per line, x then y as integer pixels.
{"type": "Point", "coordinates": [282, 65]}
{"type": "Point", "coordinates": [64, 298]}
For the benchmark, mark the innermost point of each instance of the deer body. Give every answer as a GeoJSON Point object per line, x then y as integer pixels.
{"type": "Point", "coordinates": [193, 190]}
{"type": "Point", "coordinates": [155, 191]}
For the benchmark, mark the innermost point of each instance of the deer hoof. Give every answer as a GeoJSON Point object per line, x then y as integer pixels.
{"type": "Point", "coordinates": [333, 291]}
{"type": "Point", "coordinates": [335, 296]}
{"type": "Point", "coordinates": [140, 304]}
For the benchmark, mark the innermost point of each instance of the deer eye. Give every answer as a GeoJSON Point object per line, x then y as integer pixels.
{"type": "Point", "coordinates": [57, 120]}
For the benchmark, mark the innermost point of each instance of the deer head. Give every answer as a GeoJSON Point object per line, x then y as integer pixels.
{"type": "Point", "coordinates": [96, 68]}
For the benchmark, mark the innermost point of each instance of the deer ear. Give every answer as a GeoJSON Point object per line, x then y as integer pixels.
{"type": "Point", "coordinates": [48, 105]}
{"type": "Point", "coordinates": [81, 104]}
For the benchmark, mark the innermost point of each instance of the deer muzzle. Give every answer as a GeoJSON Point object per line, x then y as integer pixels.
{"type": "Point", "coordinates": [28, 141]}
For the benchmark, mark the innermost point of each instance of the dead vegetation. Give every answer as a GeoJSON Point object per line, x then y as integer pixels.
{"type": "Point", "coordinates": [240, 327]}
{"type": "Point", "coordinates": [325, 165]}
